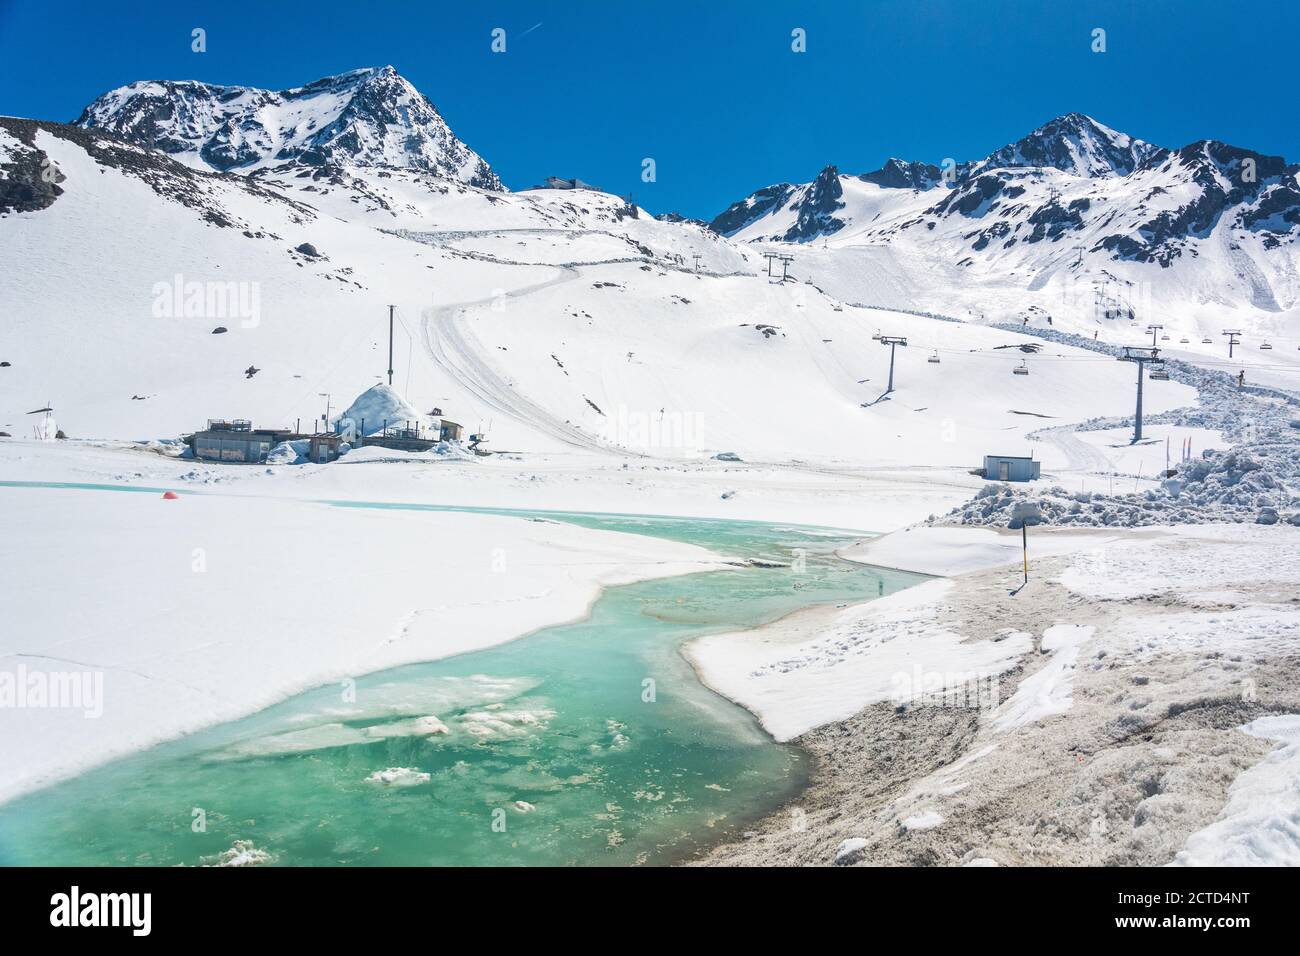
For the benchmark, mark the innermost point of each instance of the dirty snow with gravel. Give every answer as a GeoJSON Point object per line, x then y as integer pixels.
{"type": "Point", "coordinates": [1260, 826]}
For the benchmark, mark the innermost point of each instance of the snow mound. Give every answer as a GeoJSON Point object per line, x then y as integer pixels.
{"type": "Point", "coordinates": [1260, 826]}
{"type": "Point", "coordinates": [289, 452]}
{"type": "Point", "coordinates": [923, 821]}
{"type": "Point", "coordinates": [850, 851]}
{"type": "Point", "coordinates": [379, 405]}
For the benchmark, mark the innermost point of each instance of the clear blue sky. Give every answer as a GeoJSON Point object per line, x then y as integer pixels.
{"type": "Point", "coordinates": [710, 90]}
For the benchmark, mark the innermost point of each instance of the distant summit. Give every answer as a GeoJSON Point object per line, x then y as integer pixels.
{"type": "Point", "coordinates": [369, 117]}
{"type": "Point", "coordinates": [1075, 144]}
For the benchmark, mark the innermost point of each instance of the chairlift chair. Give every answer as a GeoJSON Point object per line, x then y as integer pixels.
{"type": "Point", "coordinates": [1164, 338]}
{"type": "Point", "coordinates": [934, 359]}
{"type": "Point", "coordinates": [1021, 369]}
{"type": "Point", "coordinates": [1207, 341]}
{"type": "Point", "coordinates": [1266, 346]}
{"type": "Point", "coordinates": [1159, 375]}
{"type": "Point", "coordinates": [1183, 341]}
{"type": "Point", "coordinates": [876, 336]}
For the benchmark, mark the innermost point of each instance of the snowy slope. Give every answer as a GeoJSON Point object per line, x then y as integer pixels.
{"type": "Point", "coordinates": [554, 319]}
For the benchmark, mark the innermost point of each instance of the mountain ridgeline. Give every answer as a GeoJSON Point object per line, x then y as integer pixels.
{"type": "Point", "coordinates": [1072, 180]}
{"type": "Point", "coordinates": [369, 117]}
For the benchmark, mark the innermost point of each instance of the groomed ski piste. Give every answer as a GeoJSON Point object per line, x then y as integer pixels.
{"type": "Point", "coordinates": [1145, 675]}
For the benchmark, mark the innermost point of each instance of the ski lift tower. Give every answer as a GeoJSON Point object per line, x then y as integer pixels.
{"type": "Point", "coordinates": [1234, 338]}
{"type": "Point", "coordinates": [1154, 330]}
{"type": "Point", "coordinates": [785, 266]}
{"type": "Point", "coordinates": [769, 256]}
{"type": "Point", "coordinates": [892, 341]}
{"type": "Point", "coordinates": [1142, 356]}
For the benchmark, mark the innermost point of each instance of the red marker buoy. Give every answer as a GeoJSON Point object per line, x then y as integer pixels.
{"type": "Point", "coordinates": [170, 496]}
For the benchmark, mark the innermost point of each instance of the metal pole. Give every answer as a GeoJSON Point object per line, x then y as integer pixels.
{"type": "Point", "coordinates": [390, 344]}
{"type": "Point", "coordinates": [1137, 424]}
{"type": "Point", "coordinates": [891, 368]}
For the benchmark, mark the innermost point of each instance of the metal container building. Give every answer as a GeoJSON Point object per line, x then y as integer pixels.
{"type": "Point", "coordinates": [1011, 468]}
{"type": "Point", "coordinates": [236, 441]}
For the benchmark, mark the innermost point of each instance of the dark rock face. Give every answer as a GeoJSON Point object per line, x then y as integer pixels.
{"type": "Point", "coordinates": [999, 230]}
{"type": "Point", "coordinates": [165, 176]}
{"type": "Point", "coordinates": [678, 217]}
{"type": "Point", "coordinates": [1259, 192]}
{"type": "Point", "coordinates": [740, 214]}
{"type": "Point", "coordinates": [1052, 220]}
{"type": "Point", "coordinates": [817, 208]}
{"type": "Point", "coordinates": [969, 198]}
{"type": "Point", "coordinates": [900, 174]}
{"type": "Point", "coordinates": [29, 181]}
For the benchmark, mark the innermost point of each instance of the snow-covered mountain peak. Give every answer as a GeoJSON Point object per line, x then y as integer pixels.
{"type": "Point", "coordinates": [1075, 144]}
{"type": "Point", "coordinates": [366, 117]}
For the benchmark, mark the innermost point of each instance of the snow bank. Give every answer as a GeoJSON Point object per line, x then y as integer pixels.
{"type": "Point", "coordinates": [1177, 563]}
{"type": "Point", "coordinates": [1260, 826]}
{"type": "Point", "coordinates": [289, 452]}
{"type": "Point", "coordinates": [948, 551]}
{"type": "Point", "coordinates": [822, 665]}
{"type": "Point", "coordinates": [209, 608]}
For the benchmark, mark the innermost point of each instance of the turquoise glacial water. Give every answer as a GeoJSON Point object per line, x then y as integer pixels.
{"type": "Point", "coordinates": [587, 743]}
